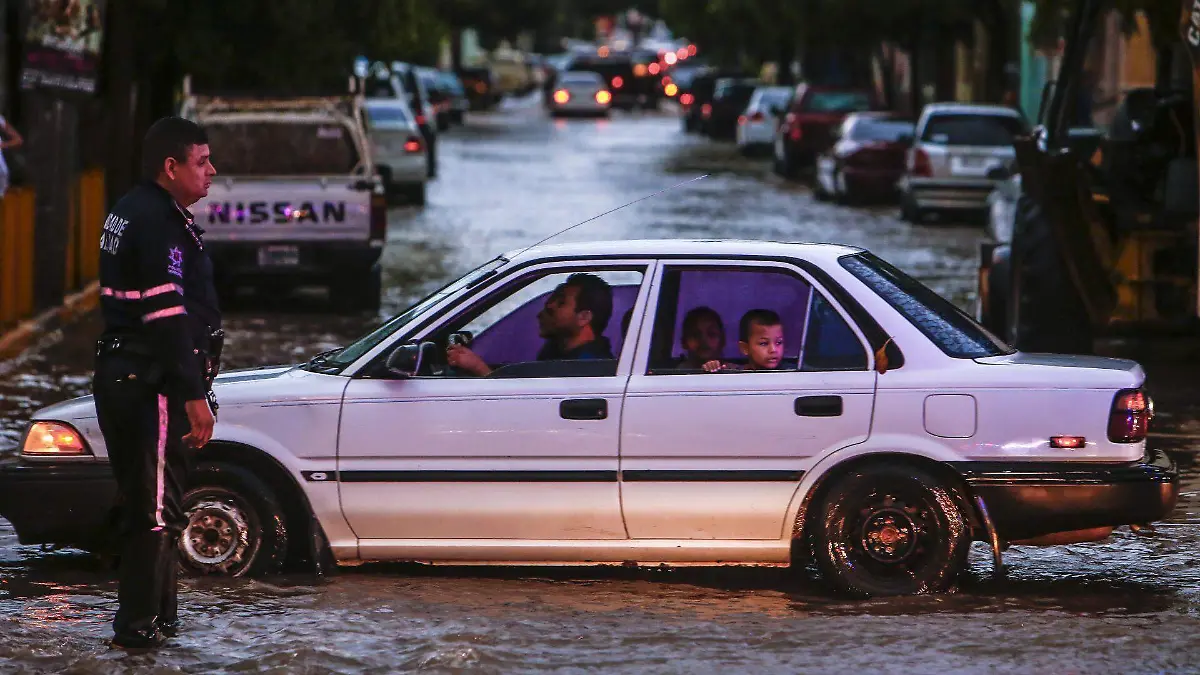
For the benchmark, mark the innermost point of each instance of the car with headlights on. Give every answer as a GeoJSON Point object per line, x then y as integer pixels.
{"type": "Point", "coordinates": [888, 431]}
{"type": "Point", "coordinates": [581, 92]}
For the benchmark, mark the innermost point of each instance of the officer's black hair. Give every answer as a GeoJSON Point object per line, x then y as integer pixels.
{"type": "Point", "coordinates": [595, 296]}
{"type": "Point", "coordinates": [169, 137]}
{"type": "Point", "coordinates": [757, 317]}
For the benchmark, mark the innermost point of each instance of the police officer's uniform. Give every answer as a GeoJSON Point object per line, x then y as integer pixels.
{"type": "Point", "coordinates": [161, 338]}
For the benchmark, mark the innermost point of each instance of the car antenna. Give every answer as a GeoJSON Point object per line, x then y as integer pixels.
{"type": "Point", "coordinates": [595, 217]}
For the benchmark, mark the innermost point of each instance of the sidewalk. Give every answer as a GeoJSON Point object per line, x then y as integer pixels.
{"type": "Point", "coordinates": [23, 335]}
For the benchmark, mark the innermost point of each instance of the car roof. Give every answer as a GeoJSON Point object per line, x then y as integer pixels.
{"type": "Point", "coordinates": [971, 109]}
{"type": "Point", "coordinates": [699, 248]}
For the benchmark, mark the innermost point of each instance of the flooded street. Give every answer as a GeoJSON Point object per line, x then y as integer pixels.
{"type": "Point", "coordinates": [507, 180]}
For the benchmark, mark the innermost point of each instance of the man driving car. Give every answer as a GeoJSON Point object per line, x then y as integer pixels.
{"type": "Point", "coordinates": [572, 323]}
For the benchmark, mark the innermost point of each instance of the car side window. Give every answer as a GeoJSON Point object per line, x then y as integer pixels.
{"type": "Point", "coordinates": [829, 342]}
{"type": "Point", "coordinates": [506, 331]}
{"type": "Point", "coordinates": [700, 312]}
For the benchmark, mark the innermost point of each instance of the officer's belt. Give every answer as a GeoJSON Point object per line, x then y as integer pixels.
{"type": "Point", "coordinates": [121, 344]}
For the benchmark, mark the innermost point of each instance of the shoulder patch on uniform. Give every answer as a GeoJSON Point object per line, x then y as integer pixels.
{"type": "Point", "coordinates": [175, 262]}
{"type": "Point", "coordinates": [114, 230]}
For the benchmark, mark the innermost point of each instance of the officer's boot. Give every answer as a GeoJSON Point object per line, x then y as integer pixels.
{"type": "Point", "coordinates": [140, 591]}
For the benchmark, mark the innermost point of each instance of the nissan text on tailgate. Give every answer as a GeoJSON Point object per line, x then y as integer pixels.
{"type": "Point", "coordinates": [295, 201]}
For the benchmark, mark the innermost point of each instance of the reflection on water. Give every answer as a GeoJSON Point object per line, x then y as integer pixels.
{"type": "Point", "coordinates": [511, 178]}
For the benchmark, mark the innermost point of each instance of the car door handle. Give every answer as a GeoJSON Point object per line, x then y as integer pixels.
{"type": "Point", "coordinates": [819, 406]}
{"type": "Point", "coordinates": [583, 409]}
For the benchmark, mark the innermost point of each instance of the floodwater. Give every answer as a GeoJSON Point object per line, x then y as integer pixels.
{"type": "Point", "coordinates": [508, 179]}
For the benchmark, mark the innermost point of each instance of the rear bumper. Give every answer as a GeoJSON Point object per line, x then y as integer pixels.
{"type": "Point", "coordinates": [405, 170]}
{"type": "Point", "coordinates": [68, 504]}
{"type": "Point", "coordinates": [579, 108]}
{"type": "Point", "coordinates": [1026, 500]}
{"type": "Point", "coordinates": [872, 180]}
{"type": "Point", "coordinates": [318, 261]}
{"type": "Point", "coordinates": [949, 194]}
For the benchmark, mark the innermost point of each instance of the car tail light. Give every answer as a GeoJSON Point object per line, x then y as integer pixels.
{"type": "Point", "coordinates": [53, 439]}
{"type": "Point", "coordinates": [618, 82]}
{"type": "Point", "coordinates": [795, 133]}
{"type": "Point", "coordinates": [919, 164]}
{"type": "Point", "coordinates": [562, 96]}
{"type": "Point", "coordinates": [378, 217]}
{"type": "Point", "coordinates": [758, 116]}
{"type": "Point", "coordinates": [421, 120]}
{"type": "Point", "coordinates": [1130, 418]}
{"type": "Point", "coordinates": [742, 119]}
{"type": "Point", "coordinates": [654, 68]}
{"type": "Point", "coordinates": [706, 109]}
{"type": "Point", "coordinates": [481, 87]}
{"type": "Point", "coordinates": [413, 144]}
{"type": "Point", "coordinates": [686, 99]}
{"type": "Point", "coordinates": [603, 97]}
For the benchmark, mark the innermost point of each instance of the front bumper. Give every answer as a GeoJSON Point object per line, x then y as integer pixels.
{"type": "Point", "coordinates": [68, 504]}
{"type": "Point", "coordinates": [1031, 499]}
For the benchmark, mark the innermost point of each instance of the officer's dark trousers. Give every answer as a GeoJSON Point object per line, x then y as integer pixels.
{"type": "Point", "coordinates": [143, 431]}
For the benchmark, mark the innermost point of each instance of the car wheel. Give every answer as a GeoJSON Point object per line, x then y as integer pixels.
{"type": "Point", "coordinates": [235, 526]}
{"type": "Point", "coordinates": [890, 529]}
{"type": "Point", "coordinates": [1045, 310]}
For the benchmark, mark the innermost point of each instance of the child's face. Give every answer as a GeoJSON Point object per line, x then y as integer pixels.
{"type": "Point", "coordinates": [765, 347]}
{"type": "Point", "coordinates": [705, 341]}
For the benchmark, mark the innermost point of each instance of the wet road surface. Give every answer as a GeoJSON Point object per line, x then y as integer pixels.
{"type": "Point", "coordinates": [508, 179]}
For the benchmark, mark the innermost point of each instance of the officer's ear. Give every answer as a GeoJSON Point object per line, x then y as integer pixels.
{"type": "Point", "coordinates": [169, 167]}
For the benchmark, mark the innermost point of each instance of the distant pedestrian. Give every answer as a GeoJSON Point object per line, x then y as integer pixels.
{"type": "Point", "coordinates": [9, 138]}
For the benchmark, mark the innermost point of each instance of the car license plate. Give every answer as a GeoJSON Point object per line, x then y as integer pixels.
{"type": "Point", "coordinates": [278, 256]}
{"type": "Point", "coordinates": [968, 166]}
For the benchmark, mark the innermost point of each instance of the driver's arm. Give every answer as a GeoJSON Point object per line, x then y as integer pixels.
{"type": "Point", "coordinates": [467, 361]}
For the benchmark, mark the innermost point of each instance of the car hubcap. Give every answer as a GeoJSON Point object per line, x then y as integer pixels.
{"type": "Point", "coordinates": [889, 534]}
{"type": "Point", "coordinates": [216, 532]}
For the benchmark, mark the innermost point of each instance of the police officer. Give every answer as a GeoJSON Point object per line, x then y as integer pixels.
{"type": "Point", "coordinates": [154, 364]}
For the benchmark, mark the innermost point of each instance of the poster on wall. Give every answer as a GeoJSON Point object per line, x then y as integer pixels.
{"type": "Point", "coordinates": [62, 45]}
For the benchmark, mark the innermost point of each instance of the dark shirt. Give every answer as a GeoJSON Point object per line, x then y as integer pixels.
{"type": "Point", "coordinates": [600, 348]}
{"type": "Point", "coordinates": [156, 285]}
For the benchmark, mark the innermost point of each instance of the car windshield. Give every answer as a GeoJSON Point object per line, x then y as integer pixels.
{"type": "Point", "coordinates": [390, 115]}
{"type": "Point", "coordinates": [837, 102]}
{"type": "Point", "coordinates": [888, 131]}
{"type": "Point", "coordinates": [973, 129]}
{"type": "Point", "coordinates": [338, 360]}
{"type": "Point", "coordinates": [283, 148]}
{"type": "Point", "coordinates": [947, 326]}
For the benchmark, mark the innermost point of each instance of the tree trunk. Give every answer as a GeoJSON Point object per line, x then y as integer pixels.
{"type": "Point", "coordinates": [456, 54]}
{"type": "Point", "coordinates": [787, 54]}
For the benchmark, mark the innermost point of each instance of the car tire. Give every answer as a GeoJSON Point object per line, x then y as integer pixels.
{"type": "Point", "coordinates": [890, 529]}
{"type": "Point", "coordinates": [235, 525]}
{"type": "Point", "coordinates": [1045, 310]}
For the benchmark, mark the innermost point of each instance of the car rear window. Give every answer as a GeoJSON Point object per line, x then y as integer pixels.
{"type": "Point", "coordinates": [774, 95]}
{"type": "Point", "coordinates": [581, 77]}
{"type": "Point", "coordinates": [888, 131]}
{"type": "Point", "coordinates": [392, 115]}
{"type": "Point", "coordinates": [836, 102]}
{"type": "Point", "coordinates": [947, 326]}
{"type": "Point", "coordinates": [969, 129]}
{"type": "Point", "coordinates": [735, 91]}
{"type": "Point", "coordinates": [259, 148]}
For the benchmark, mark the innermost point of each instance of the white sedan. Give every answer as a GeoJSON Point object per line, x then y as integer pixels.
{"type": "Point", "coordinates": [398, 147]}
{"type": "Point", "coordinates": [891, 433]}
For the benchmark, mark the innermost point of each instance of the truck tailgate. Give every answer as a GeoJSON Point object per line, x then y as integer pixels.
{"type": "Point", "coordinates": [287, 209]}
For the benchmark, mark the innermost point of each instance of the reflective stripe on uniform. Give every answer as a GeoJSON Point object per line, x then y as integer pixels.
{"type": "Point", "coordinates": [163, 313]}
{"type": "Point", "coordinates": [161, 462]}
{"type": "Point", "coordinates": [138, 295]}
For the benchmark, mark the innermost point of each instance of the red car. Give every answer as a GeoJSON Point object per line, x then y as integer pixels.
{"type": "Point", "coordinates": [866, 159]}
{"type": "Point", "coordinates": [807, 128]}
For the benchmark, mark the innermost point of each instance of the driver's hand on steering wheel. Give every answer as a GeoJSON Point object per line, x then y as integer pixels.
{"type": "Point", "coordinates": [466, 360]}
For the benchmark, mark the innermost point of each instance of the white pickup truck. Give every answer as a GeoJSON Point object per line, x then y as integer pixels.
{"type": "Point", "coordinates": [296, 200]}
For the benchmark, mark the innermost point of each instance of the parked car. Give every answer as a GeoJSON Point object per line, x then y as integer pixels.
{"type": "Point", "coordinates": [867, 157]}
{"type": "Point", "coordinates": [893, 432]}
{"type": "Point", "coordinates": [480, 85]}
{"type": "Point", "coordinates": [457, 95]}
{"type": "Point", "coordinates": [807, 127]}
{"type": "Point", "coordinates": [731, 95]}
{"type": "Point", "coordinates": [581, 93]}
{"type": "Point", "coordinates": [697, 99]}
{"type": "Point", "coordinates": [957, 146]}
{"type": "Point", "coordinates": [446, 97]}
{"type": "Point", "coordinates": [756, 125]}
{"type": "Point", "coordinates": [419, 102]}
{"type": "Point", "coordinates": [397, 148]}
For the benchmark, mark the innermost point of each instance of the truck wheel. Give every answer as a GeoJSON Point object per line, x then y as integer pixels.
{"type": "Point", "coordinates": [890, 529]}
{"type": "Point", "coordinates": [235, 526]}
{"type": "Point", "coordinates": [358, 291]}
{"type": "Point", "coordinates": [1045, 311]}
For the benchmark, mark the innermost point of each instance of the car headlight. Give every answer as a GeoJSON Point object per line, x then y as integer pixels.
{"type": "Point", "coordinates": [53, 439]}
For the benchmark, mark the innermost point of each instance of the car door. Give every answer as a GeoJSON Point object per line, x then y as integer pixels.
{"type": "Point", "coordinates": [529, 452]}
{"type": "Point", "coordinates": [720, 455]}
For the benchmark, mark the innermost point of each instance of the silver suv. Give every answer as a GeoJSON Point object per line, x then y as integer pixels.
{"type": "Point", "coordinates": [957, 154]}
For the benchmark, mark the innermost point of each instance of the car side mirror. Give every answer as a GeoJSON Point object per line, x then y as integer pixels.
{"type": "Point", "coordinates": [406, 360]}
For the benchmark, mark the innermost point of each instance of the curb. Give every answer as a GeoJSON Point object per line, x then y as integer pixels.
{"type": "Point", "coordinates": [17, 340]}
